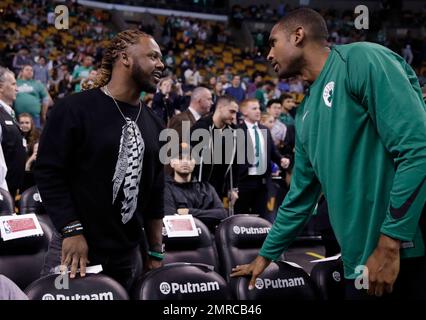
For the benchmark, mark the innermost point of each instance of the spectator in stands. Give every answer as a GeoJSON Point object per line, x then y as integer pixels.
{"type": "Point", "coordinates": [279, 129]}
{"type": "Point", "coordinates": [372, 145]}
{"type": "Point", "coordinates": [11, 138]}
{"type": "Point", "coordinates": [89, 81]}
{"type": "Point", "coordinates": [223, 79]}
{"type": "Point", "coordinates": [236, 90]}
{"type": "Point", "coordinates": [252, 87]}
{"type": "Point", "coordinates": [192, 77]}
{"type": "Point", "coordinates": [98, 170]}
{"type": "Point", "coordinates": [201, 102]}
{"type": "Point", "coordinates": [185, 63]}
{"type": "Point", "coordinates": [170, 60]}
{"type": "Point", "coordinates": [9, 290]}
{"type": "Point", "coordinates": [82, 72]}
{"type": "Point", "coordinates": [296, 85]}
{"type": "Point", "coordinates": [32, 96]}
{"type": "Point", "coordinates": [41, 71]}
{"type": "Point", "coordinates": [288, 105]}
{"type": "Point", "coordinates": [165, 102]}
{"type": "Point", "coordinates": [260, 94]}
{"type": "Point", "coordinates": [218, 172]}
{"type": "Point", "coordinates": [217, 92]}
{"type": "Point", "coordinates": [64, 86]}
{"type": "Point", "coordinates": [21, 59]}
{"type": "Point", "coordinates": [184, 195]}
{"type": "Point", "coordinates": [29, 131]}
{"type": "Point", "coordinates": [283, 86]}
{"type": "Point", "coordinates": [255, 173]}
{"type": "Point", "coordinates": [267, 120]}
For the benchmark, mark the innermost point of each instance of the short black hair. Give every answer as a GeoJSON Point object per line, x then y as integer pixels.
{"type": "Point", "coordinates": [271, 102]}
{"type": "Point", "coordinates": [226, 99]}
{"type": "Point", "coordinates": [285, 96]}
{"type": "Point", "coordinates": [309, 19]}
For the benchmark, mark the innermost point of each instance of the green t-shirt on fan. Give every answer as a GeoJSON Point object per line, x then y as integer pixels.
{"type": "Point", "coordinates": [80, 72]}
{"type": "Point", "coordinates": [29, 99]}
{"type": "Point", "coordinates": [361, 139]}
{"type": "Point", "coordinates": [287, 119]}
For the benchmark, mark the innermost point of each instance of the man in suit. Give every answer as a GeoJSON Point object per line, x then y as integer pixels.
{"type": "Point", "coordinates": [255, 173]}
{"type": "Point", "coordinates": [12, 142]}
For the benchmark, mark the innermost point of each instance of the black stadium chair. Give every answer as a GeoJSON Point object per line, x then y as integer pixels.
{"type": "Point", "coordinates": [21, 260]}
{"type": "Point", "coordinates": [91, 287]}
{"type": "Point", "coordinates": [182, 281]}
{"type": "Point", "coordinates": [31, 202]}
{"type": "Point", "coordinates": [7, 204]}
{"type": "Point", "coordinates": [328, 276]}
{"type": "Point", "coordinates": [280, 280]}
{"type": "Point", "coordinates": [238, 240]}
{"type": "Point", "coordinates": [199, 249]}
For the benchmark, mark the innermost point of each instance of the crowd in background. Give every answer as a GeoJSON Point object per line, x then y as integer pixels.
{"type": "Point", "coordinates": [49, 65]}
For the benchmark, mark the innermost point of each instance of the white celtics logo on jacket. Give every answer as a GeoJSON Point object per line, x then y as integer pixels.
{"type": "Point", "coordinates": [327, 94]}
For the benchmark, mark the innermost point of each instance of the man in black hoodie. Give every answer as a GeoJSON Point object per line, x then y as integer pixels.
{"type": "Point", "coordinates": [183, 195]}
{"type": "Point", "coordinates": [220, 169]}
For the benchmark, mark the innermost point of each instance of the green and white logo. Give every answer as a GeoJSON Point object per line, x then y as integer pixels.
{"type": "Point", "coordinates": [327, 94]}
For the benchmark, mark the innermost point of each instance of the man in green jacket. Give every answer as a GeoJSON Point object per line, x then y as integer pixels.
{"type": "Point", "coordinates": [361, 140]}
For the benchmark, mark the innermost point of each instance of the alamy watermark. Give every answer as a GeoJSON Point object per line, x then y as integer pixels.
{"type": "Point", "coordinates": [215, 146]}
{"type": "Point", "coordinates": [361, 281]}
{"type": "Point", "coordinates": [362, 21]}
{"type": "Point", "coordinates": [62, 17]}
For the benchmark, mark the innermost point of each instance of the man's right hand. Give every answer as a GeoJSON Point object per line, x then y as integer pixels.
{"type": "Point", "coordinates": [255, 268]}
{"type": "Point", "coordinates": [74, 253]}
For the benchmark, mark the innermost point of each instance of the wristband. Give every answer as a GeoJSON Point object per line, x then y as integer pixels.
{"type": "Point", "coordinates": [156, 255]}
{"type": "Point", "coordinates": [72, 230]}
{"type": "Point", "coordinates": [72, 233]}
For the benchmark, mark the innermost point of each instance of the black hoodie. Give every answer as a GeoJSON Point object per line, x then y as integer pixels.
{"type": "Point", "coordinates": [217, 173]}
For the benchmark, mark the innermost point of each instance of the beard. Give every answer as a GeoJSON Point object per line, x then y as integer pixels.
{"type": "Point", "coordinates": [294, 68]}
{"type": "Point", "coordinates": [142, 79]}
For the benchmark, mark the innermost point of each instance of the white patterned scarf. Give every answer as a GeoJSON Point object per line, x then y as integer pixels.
{"type": "Point", "coordinates": [129, 168]}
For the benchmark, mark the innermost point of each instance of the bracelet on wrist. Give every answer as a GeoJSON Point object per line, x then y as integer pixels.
{"type": "Point", "coordinates": [72, 230]}
{"type": "Point", "coordinates": [156, 255]}
{"type": "Point", "coordinates": [72, 233]}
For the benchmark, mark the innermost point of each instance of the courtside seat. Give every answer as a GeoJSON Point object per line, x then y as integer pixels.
{"type": "Point", "coordinates": [91, 287]}
{"type": "Point", "coordinates": [238, 240]}
{"type": "Point", "coordinates": [182, 281]}
{"type": "Point", "coordinates": [7, 205]}
{"type": "Point", "coordinates": [21, 260]}
{"type": "Point", "coordinates": [328, 277]}
{"type": "Point", "coordinates": [199, 249]}
{"type": "Point", "coordinates": [31, 202]}
{"type": "Point", "coordinates": [280, 281]}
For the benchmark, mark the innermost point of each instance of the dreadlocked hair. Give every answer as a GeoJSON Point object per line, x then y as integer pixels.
{"type": "Point", "coordinates": [117, 44]}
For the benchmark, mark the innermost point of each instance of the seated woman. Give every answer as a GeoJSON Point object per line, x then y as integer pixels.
{"type": "Point", "coordinates": [182, 195]}
{"type": "Point", "coordinates": [32, 136]}
{"type": "Point", "coordinates": [29, 131]}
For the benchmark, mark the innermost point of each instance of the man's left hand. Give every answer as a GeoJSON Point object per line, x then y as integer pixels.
{"type": "Point", "coordinates": [383, 266]}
